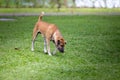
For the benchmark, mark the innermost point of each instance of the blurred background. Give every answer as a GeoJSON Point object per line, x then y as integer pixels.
{"type": "Point", "coordinates": [59, 4]}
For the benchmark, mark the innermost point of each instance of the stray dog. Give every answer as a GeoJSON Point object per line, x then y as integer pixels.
{"type": "Point", "coordinates": [50, 32]}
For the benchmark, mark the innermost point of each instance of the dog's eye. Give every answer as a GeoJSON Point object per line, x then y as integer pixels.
{"type": "Point", "coordinates": [62, 45]}
{"type": "Point", "coordinates": [58, 42]}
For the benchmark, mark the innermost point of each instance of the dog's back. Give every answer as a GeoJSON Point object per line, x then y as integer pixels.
{"type": "Point", "coordinates": [44, 27]}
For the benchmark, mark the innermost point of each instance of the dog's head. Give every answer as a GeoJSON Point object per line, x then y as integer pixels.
{"type": "Point", "coordinates": [61, 44]}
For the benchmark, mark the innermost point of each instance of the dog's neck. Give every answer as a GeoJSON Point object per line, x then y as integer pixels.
{"type": "Point", "coordinates": [55, 36]}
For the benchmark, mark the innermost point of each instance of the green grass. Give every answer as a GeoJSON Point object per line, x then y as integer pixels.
{"type": "Point", "coordinates": [38, 10]}
{"type": "Point", "coordinates": [92, 51]}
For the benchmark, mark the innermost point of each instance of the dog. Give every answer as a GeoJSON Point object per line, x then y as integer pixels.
{"type": "Point", "coordinates": [49, 32]}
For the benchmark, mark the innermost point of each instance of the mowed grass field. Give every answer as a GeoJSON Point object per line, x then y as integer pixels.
{"type": "Point", "coordinates": [67, 10]}
{"type": "Point", "coordinates": [92, 51]}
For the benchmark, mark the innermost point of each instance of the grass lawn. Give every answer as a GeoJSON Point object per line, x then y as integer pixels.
{"type": "Point", "coordinates": [67, 10]}
{"type": "Point", "coordinates": [92, 51]}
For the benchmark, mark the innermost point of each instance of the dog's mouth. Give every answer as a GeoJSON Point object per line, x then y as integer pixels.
{"type": "Point", "coordinates": [61, 50]}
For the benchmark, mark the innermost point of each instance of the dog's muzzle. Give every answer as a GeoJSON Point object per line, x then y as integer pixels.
{"type": "Point", "coordinates": [61, 50]}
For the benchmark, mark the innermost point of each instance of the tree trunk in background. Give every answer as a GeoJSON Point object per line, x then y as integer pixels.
{"type": "Point", "coordinates": [58, 5]}
{"type": "Point", "coordinates": [17, 3]}
{"type": "Point", "coordinates": [35, 3]}
{"type": "Point", "coordinates": [7, 3]}
{"type": "Point", "coordinates": [65, 3]}
{"type": "Point", "coordinates": [52, 3]}
{"type": "Point", "coordinates": [73, 3]}
{"type": "Point", "coordinates": [105, 2]}
{"type": "Point", "coordinates": [0, 3]}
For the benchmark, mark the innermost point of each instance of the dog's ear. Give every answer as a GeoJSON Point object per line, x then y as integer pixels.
{"type": "Point", "coordinates": [65, 42]}
{"type": "Point", "coordinates": [58, 42]}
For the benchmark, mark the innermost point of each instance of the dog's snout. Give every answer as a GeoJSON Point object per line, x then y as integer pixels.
{"type": "Point", "coordinates": [61, 50]}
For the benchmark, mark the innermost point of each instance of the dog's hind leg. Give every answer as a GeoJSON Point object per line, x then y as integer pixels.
{"type": "Point", "coordinates": [35, 33]}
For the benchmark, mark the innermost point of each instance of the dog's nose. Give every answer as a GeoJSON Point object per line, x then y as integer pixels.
{"type": "Point", "coordinates": [62, 51]}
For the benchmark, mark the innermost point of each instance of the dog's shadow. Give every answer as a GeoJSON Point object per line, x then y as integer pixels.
{"type": "Point", "coordinates": [58, 54]}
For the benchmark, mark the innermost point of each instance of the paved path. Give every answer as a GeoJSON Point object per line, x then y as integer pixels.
{"type": "Point", "coordinates": [60, 13]}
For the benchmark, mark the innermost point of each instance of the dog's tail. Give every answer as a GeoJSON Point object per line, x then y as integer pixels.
{"type": "Point", "coordinates": [41, 15]}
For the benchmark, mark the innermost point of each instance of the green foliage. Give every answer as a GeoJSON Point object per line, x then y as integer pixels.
{"type": "Point", "coordinates": [27, 3]}
{"type": "Point", "coordinates": [92, 51]}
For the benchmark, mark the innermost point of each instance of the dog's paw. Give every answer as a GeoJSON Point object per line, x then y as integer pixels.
{"type": "Point", "coordinates": [32, 49]}
{"type": "Point", "coordinates": [49, 54]}
{"type": "Point", "coordinates": [45, 51]}
{"type": "Point", "coordinates": [54, 52]}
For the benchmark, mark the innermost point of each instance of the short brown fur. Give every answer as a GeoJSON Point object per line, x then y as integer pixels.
{"type": "Point", "coordinates": [49, 32]}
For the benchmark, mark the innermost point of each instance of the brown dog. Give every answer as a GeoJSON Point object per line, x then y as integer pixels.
{"type": "Point", "coordinates": [50, 32]}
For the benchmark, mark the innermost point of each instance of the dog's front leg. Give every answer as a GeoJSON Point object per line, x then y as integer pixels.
{"type": "Point", "coordinates": [35, 33]}
{"type": "Point", "coordinates": [48, 47]}
{"type": "Point", "coordinates": [54, 52]}
{"type": "Point", "coordinates": [45, 45]}
{"type": "Point", "coordinates": [32, 48]}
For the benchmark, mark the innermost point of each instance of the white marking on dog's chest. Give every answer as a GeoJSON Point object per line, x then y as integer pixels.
{"type": "Point", "coordinates": [53, 37]}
